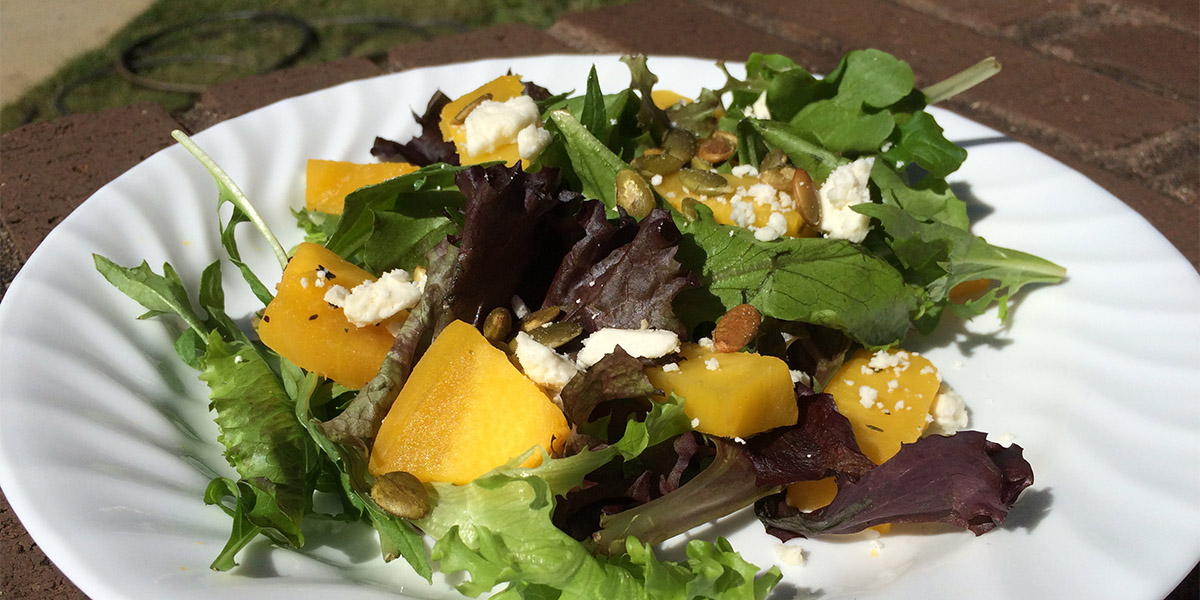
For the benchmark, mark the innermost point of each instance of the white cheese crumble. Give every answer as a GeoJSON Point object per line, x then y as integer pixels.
{"type": "Point", "coordinates": [670, 368]}
{"type": "Point", "coordinates": [695, 422]}
{"type": "Point", "coordinates": [656, 179]}
{"type": "Point", "coordinates": [949, 412]}
{"type": "Point", "coordinates": [1005, 439]}
{"type": "Point", "coordinates": [639, 343]}
{"type": "Point", "coordinates": [520, 310]}
{"type": "Point", "coordinates": [707, 344]}
{"type": "Point", "coordinates": [867, 396]}
{"type": "Point", "coordinates": [373, 301]}
{"type": "Point", "coordinates": [744, 171]}
{"type": "Point", "coordinates": [759, 109]}
{"type": "Point", "coordinates": [494, 124]}
{"type": "Point", "coordinates": [845, 187]}
{"type": "Point", "coordinates": [543, 365]}
{"type": "Point", "coordinates": [790, 555]}
{"type": "Point", "coordinates": [800, 377]}
{"type": "Point", "coordinates": [712, 364]}
{"type": "Point", "coordinates": [774, 229]}
{"type": "Point", "coordinates": [875, 546]}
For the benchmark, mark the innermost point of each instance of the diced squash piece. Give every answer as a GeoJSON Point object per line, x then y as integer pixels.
{"type": "Point", "coordinates": [671, 188]}
{"type": "Point", "coordinates": [327, 182]}
{"type": "Point", "coordinates": [503, 88]}
{"type": "Point", "coordinates": [464, 411]}
{"type": "Point", "coordinates": [886, 397]}
{"type": "Point", "coordinates": [305, 329]}
{"type": "Point", "coordinates": [665, 99]}
{"type": "Point", "coordinates": [886, 405]}
{"type": "Point", "coordinates": [743, 395]}
{"type": "Point", "coordinates": [969, 290]}
{"type": "Point", "coordinates": [811, 495]}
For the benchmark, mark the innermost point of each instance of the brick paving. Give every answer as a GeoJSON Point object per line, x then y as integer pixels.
{"type": "Point", "coordinates": [1109, 87]}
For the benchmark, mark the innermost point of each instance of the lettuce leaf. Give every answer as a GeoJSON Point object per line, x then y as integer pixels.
{"type": "Point", "coordinates": [963, 480]}
{"type": "Point", "coordinates": [815, 280]}
{"type": "Point", "coordinates": [498, 529]}
{"type": "Point", "coordinates": [271, 451]}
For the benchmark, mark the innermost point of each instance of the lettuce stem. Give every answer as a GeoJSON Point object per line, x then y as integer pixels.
{"type": "Point", "coordinates": [962, 81]}
{"type": "Point", "coordinates": [236, 196]}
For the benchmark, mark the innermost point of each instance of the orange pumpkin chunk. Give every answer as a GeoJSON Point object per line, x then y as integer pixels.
{"type": "Point", "coordinates": [886, 396]}
{"type": "Point", "coordinates": [671, 189]}
{"type": "Point", "coordinates": [735, 394]}
{"type": "Point", "coordinates": [327, 182]}
{"type": "Point", "coordinates": [464, 411]}
{"type": "Point", "coordinates": [305, 329]}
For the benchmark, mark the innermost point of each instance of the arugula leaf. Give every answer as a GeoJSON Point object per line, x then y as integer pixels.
{"type": "Point", "coordinates": [243, 211]}
{"type": "Point", "coordinates": [594, 164]}
{"type": "Point", "coordinates": [594, 115]}
{"type": "Point", "coordinates": [357, 222]}
{"type": "Point", "coordinates": [930, 199]}
{"type": "Point", "coordinates": [653, 119]}
{"type": "Point", "coordinates": [397, 537]}
{"type": "Point", "coordinates": [945, 256]}
{"type": "Point", "coordinates": [159, 294]}
{"type": "Point", "coordinates": [401, 237]}
{"type": "Point", "coordinates": [814, 159]}
{"type": "Point", "coordinates": [921, 142]}
{"type": "Point", "coordinates": [269, 448]}
{"type": "Point", "coordinates": [815, 280]}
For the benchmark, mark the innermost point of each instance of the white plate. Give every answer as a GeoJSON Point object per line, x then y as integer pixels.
{"type": "Point", "coordinates": [106, 443]}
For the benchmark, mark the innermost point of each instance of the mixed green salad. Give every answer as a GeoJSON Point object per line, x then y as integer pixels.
{"type": "Point", "coordinates": [623, 211]}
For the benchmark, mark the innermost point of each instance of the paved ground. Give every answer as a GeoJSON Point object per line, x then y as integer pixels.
{"type": "Point", "coordinates": [37, 37]}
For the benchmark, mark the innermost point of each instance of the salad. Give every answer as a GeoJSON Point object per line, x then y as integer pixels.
{"type": "Point", "coordinates": [555, 330]}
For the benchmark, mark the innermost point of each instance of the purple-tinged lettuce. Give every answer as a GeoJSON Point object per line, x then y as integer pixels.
{"type": "Point", "coordinates": [963, 480]}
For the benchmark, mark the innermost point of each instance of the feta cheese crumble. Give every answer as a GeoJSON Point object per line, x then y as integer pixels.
{"type": "Point", "coordinates": [494, 124]}
{"type": "Point", "coordinates": [790, 555]}
{"type": "Point", "coordinates": [543, 365]}
{"type": "Point", "coordinates": [639, 343]}
{"type": "Point", "coordinates": [949, 412]}
{"type": "Point", "coordinates": [759, 109]}
{"type": "Point", "coordinates": [846, 187]}
{"type": "Point", "coordinates": [712, 364]}
{"type": "Point", "coordinates": [373, 301]}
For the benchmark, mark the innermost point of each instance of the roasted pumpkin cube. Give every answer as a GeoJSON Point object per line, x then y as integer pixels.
{"type": "Point", "coordinates": [327, 182]}
{"type": "Point", "coordinates": [500, 89]}
{"type": "Point", "coordinates": [464, 411]}
{"type": "Point", "coordinates": [886, 396]}
{"type": "Point", "coordinates": [315, 335]}
{"type": "Point", "coordinates": [735, 394]}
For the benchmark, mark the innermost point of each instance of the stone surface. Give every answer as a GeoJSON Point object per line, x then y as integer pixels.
{"type": "Point", "coordinates": [516, 39]}
{"type": "Point", "coordinates": [51, 167]}
{"type": "Point", "coordinates": [691, 30]}
{"type": "Point", "coordinates": [25, 572]}
{"type": "Point", "coordinates": [240, 96]}
{"type": "Point", "coordinates": [1160, 57]}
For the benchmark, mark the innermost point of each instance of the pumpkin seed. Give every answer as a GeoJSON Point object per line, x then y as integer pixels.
{"type": "Point", "coordinates": [461, 117]}
{"type": "Point", "coordinates": [657, 164]}
{"type": "Point", "coordinates": [688, 209]}
{"type": "Point", "coordinates": [701, 164]}
{"type": "Point", "coordinates": [705, 183]}
{"type": "Point", "coordinates": [498, 324]}
{"type": "Point", "coordinates": [556, 334]}
{"type": "Point", "coordinates": [634, 193]}
{"type": "Point", "coordinates": [400, 494]}
{"type": "Point", "coordinates": [718, 147]}
{"type": "Point", "coordinates": [779, 178]}
{"type": "Point", "coordinates": [681, 144]}
{"type": "Point", "coordinates": [539, 317]}
{"type": "Point", "coordinates": [805, 197]}
{"type": "Point", "coordinates": [775, 158]}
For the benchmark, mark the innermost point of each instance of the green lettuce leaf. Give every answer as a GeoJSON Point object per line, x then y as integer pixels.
{"type": "Point", "coordinates": [271, 451]}
{"type": "Point", "coordinates": [498, 530]}
{"type": "Point", "coordinates": [826, 282]}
